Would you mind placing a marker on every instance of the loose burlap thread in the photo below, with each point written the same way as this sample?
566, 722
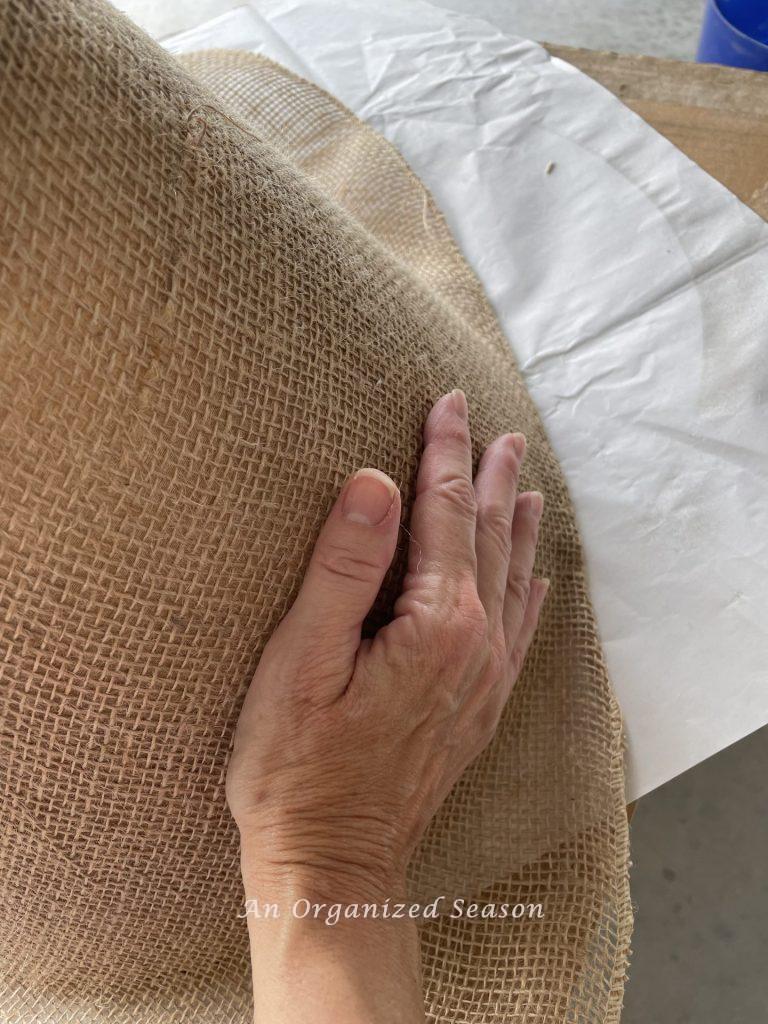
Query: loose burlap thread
221, 293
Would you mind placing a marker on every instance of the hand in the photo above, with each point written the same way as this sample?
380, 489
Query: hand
345, 748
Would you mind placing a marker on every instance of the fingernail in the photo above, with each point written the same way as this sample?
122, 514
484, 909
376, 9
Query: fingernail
544, 590
536, 502
518, 443
460, 403
368, 498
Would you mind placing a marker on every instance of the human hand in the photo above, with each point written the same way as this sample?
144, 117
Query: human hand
345, 748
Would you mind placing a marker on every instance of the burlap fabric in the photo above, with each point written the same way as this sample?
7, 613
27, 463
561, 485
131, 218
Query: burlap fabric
220, 294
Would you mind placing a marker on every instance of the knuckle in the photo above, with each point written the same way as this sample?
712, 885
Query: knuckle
516, 659
319, 676
458, 493
468, 621
340, 562
518, 588
452, 431
496, 522
496, 661
490, 673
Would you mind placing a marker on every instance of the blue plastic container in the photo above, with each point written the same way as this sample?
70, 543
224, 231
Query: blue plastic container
735, 32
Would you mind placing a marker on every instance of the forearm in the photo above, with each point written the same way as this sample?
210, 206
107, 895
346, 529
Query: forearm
320, 965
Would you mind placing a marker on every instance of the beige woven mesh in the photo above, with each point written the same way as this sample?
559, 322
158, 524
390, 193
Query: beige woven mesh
220, 293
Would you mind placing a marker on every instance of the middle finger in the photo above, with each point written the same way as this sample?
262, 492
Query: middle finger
443, 516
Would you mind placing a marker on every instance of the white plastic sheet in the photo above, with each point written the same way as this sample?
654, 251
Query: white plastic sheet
630, 285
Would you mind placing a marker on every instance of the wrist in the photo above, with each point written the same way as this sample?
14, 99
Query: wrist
325, 944
327, 876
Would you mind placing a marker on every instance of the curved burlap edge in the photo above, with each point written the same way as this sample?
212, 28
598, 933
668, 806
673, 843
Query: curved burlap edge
205, 64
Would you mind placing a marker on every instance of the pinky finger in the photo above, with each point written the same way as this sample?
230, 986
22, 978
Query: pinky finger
530, 621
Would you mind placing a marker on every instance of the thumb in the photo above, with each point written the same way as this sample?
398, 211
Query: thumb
351, 557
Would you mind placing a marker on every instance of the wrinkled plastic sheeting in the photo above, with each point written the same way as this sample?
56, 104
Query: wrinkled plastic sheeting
630, 285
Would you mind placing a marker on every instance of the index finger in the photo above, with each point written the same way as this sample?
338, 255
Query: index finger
443, 516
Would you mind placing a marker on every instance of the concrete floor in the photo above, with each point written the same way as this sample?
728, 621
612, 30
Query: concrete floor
700, 890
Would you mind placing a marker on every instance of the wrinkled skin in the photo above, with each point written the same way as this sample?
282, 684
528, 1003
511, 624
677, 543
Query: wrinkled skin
345, 748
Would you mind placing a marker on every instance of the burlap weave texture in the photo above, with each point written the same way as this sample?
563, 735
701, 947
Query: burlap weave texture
220, 293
